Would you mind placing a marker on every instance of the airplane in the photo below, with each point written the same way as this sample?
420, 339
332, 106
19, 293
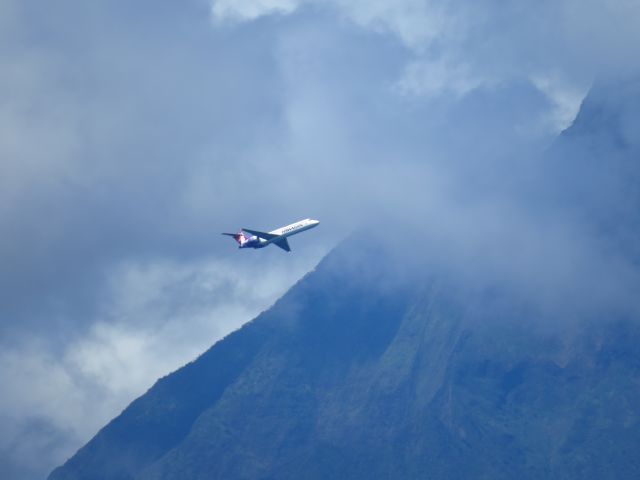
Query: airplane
258, 239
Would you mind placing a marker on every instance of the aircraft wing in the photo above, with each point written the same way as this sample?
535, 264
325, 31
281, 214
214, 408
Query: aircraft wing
283, 244
258, 233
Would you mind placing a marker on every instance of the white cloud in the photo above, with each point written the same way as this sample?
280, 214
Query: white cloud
418, 23
565, 97
460, 46
163, 314
155, 317
432, 78
232, 10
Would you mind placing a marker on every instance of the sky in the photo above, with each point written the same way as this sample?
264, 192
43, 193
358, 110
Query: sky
133, 133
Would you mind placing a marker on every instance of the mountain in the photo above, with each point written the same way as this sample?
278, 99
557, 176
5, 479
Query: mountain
593, 168
373, 366
353, 378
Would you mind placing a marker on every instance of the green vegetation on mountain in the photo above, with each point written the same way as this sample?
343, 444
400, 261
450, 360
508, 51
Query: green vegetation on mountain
372, 368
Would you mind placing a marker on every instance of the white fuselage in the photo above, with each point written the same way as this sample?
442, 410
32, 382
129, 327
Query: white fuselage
255, 241
294, 228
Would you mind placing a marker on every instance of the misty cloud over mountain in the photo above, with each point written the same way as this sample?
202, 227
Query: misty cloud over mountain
133, 134
360, 371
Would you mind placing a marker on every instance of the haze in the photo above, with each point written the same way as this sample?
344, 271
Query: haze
132, 135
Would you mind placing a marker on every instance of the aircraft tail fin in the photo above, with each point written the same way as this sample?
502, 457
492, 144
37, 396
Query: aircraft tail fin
238, 237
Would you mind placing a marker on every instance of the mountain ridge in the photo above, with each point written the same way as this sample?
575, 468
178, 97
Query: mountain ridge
374, 366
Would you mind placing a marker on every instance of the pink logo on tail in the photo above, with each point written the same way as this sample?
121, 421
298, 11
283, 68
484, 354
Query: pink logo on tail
240, 238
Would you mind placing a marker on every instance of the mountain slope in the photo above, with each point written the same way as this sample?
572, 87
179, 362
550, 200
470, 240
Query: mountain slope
375, 367
593, 167
349, 377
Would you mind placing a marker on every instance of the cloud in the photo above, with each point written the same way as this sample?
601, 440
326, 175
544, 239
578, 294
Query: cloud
557, 46
432, 78
564, 96
250, 10
155, 317
130, 141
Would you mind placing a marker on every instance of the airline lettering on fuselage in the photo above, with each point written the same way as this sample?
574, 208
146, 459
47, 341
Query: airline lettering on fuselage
287, 230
